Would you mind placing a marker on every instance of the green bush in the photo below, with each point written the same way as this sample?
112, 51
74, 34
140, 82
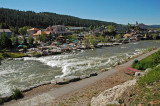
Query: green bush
150, 77
36, 54
1, 56
17, 94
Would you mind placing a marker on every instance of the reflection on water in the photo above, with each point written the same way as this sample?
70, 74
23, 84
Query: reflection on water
34, 70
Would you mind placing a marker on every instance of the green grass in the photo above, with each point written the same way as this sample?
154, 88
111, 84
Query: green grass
4, 55
15, 55
148, 62
150, 77
148, 88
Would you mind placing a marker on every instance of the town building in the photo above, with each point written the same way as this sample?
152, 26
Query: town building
79, 29
33, 31
40, 32
140, 26
58, 30
7, 31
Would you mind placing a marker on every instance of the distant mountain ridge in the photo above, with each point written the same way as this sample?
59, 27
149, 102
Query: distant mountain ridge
18, 18
153, 26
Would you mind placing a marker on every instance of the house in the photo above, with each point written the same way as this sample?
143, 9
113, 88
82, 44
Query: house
78, 29
33, 31
140, 26
134, 36
7, 31
40, 32
58, 30
100, 29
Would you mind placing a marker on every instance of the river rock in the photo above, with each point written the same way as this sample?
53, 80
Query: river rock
26, 89
72, 78
138, 74
53, 81
32, 87
108, 68
93, 74
147, 70
45, 82
61, 81
115, 64
84, 76
103, 70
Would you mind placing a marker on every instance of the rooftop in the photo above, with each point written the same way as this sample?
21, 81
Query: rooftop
5, 30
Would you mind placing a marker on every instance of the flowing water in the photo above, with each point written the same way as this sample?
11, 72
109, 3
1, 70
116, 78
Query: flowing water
31, 70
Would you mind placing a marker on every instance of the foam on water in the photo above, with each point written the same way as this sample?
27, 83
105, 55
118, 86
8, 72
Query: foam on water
70, 65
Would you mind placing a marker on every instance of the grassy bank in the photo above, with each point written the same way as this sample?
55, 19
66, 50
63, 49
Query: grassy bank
148, 62
4, 55
147, 90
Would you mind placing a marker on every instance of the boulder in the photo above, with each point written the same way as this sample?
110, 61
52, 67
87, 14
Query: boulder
27, 89
84, 76
45, 82
139, 74
61, 81
53, 81
72, 78
147, 70
110, 95
103, 70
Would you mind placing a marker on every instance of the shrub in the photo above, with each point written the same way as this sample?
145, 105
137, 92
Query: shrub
36, 54
1, 56
17, 94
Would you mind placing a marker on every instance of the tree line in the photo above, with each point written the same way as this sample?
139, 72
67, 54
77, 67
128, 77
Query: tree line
16, 18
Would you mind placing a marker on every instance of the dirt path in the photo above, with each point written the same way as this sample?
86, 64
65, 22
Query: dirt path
77, 93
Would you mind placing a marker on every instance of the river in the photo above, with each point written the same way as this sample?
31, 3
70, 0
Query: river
31, 70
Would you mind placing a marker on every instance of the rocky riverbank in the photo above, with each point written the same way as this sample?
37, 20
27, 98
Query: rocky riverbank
115, 79
65, 80
112, 96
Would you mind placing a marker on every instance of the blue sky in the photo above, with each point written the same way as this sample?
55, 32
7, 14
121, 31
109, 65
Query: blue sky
119, 11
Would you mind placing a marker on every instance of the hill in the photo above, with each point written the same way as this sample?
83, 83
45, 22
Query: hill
153, 26
16, 18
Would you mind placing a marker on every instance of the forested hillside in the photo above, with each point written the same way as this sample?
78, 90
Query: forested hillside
16, 18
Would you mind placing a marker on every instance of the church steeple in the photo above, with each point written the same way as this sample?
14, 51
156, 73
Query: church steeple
136, 23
